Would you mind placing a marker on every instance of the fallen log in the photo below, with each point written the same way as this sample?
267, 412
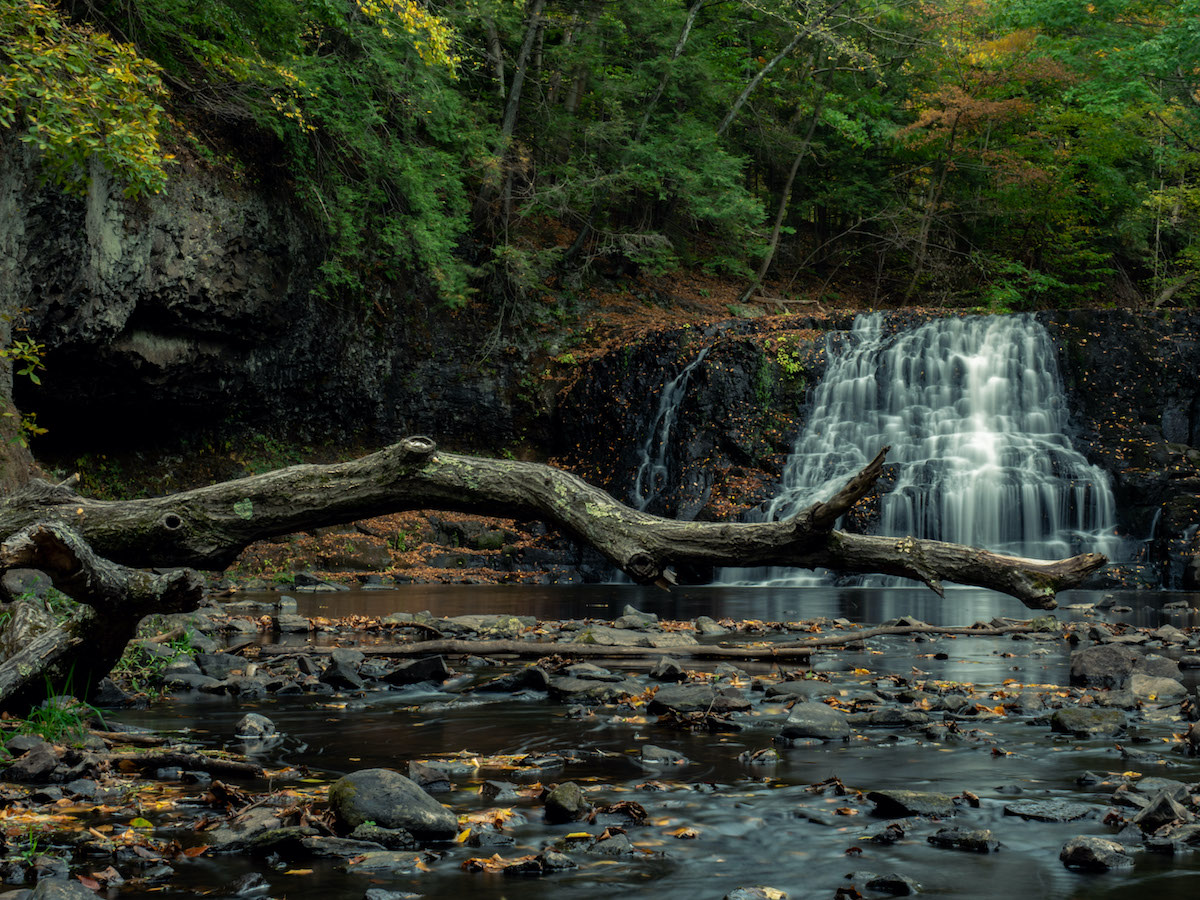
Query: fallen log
768, 651
207, 527
72, 657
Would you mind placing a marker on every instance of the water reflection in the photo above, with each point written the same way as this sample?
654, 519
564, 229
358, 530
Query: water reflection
962, 606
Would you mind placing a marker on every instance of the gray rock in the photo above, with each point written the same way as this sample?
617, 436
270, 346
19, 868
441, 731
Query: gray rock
27, 583
809, 690
554, 861
978, 840
1156, 689
758, 892
241, 832
707, 627
1050, 810
220, 665
286, 623
390, 800
430, 778
685, 698
388, 838
1161, 809
1094, 854
636, 619
660, 756
667, 669
1087, 722
530, 678
36, 766
899, 803
671, 639
254, 725
816, 720
894, 884
566, 803
1108, 665
430, 668
892, 717
383, 863
613, 637
592, 672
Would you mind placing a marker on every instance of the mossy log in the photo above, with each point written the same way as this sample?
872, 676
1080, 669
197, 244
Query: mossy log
207, 527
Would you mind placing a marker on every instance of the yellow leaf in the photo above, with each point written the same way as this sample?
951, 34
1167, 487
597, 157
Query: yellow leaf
139, 822
462, 836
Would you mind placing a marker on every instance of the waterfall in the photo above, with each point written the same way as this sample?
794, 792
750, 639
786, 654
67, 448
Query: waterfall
651, 475
974, 412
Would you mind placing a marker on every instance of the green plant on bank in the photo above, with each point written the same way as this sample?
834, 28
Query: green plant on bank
141, 670
61, 719
29, 847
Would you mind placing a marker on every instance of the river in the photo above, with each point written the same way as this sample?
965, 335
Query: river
756, 824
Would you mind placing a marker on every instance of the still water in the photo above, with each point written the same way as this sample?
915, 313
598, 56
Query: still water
756, 824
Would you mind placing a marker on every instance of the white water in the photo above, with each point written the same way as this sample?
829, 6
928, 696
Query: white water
974, 413
652, 472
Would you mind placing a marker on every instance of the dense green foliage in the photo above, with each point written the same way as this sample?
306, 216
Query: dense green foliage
1008, 154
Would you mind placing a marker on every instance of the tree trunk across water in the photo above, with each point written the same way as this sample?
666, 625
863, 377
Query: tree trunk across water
207, 527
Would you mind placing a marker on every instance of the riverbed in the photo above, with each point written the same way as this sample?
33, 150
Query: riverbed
753, 824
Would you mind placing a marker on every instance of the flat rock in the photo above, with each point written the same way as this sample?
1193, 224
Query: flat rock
611, 637
816, 720
1094, 854
1047, 810
979, 840
808, 690
671, 639
1156, 689
660, 756
384, 863
390, 800
758, 892
1087, 722
686, 698
897, 804
430, 668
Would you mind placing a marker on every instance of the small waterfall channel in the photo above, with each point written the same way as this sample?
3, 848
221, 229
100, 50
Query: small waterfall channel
974, 412
652, 470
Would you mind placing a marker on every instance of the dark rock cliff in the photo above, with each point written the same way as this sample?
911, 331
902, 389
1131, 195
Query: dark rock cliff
193, 310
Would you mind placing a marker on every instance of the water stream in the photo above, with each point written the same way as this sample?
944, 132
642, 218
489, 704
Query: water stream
652, 472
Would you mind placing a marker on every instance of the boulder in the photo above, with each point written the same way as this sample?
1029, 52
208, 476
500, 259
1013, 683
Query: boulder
1087, 721
1156, 689
1094, 854
816, 720
566, 803
1104, 666
390, 800
686, 698
897, 804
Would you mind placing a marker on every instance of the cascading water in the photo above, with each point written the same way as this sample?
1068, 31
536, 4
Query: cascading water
652, 472
974, 413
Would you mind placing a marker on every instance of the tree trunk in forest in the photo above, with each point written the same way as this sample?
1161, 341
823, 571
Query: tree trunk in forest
207, 527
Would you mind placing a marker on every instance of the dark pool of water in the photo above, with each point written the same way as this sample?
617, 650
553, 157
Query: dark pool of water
751, 820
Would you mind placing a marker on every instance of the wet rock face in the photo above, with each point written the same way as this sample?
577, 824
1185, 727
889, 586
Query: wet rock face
1133, 383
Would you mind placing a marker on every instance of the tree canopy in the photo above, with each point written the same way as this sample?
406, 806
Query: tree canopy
1007, 154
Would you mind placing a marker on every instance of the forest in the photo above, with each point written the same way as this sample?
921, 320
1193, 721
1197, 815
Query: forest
973, 153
